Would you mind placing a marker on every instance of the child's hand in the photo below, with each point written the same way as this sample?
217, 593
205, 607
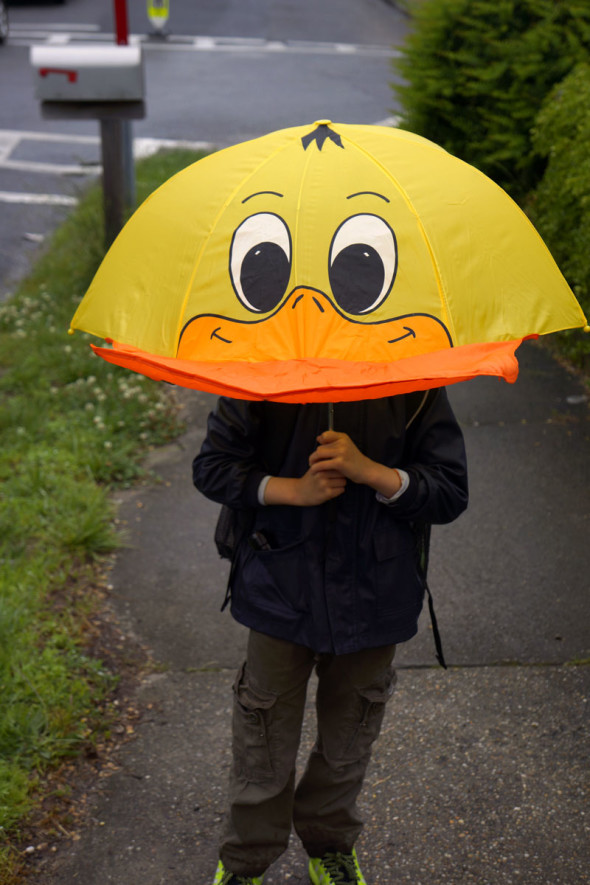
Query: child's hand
335, 460
319, 486
309, 490
337, 452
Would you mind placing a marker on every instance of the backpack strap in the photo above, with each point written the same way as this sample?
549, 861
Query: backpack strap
422, 534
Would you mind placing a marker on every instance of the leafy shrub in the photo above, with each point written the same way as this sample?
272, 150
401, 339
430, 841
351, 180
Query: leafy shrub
477, 71
560, 207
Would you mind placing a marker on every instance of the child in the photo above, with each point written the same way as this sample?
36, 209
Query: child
325, 576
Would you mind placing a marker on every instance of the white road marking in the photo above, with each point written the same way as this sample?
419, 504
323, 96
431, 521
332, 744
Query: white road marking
146, 147
142, 147
60, 26
29, 135
394, 121
49, 168
29, 34
37, 199
58, 40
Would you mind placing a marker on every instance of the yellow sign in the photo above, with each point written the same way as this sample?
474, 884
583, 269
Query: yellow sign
158, 12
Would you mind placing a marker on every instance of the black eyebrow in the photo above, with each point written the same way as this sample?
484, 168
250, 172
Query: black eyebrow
371, 193
259, 193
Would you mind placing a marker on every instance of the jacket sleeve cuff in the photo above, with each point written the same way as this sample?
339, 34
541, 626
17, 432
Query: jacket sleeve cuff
405, 482
406, 503
262, 490
252, 486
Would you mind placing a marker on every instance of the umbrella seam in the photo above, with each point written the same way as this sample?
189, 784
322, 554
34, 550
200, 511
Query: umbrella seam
294, 268
403, 192
225, 204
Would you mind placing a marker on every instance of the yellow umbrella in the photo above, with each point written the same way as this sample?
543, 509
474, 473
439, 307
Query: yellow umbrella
326, 262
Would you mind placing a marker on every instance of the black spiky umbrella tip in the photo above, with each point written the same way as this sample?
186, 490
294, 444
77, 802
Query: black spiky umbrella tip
320, 134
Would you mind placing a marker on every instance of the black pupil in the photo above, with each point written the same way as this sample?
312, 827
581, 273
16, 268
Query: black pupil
265, 276
357, 277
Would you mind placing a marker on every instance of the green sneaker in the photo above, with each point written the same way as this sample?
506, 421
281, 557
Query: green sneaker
224, 877
335, 868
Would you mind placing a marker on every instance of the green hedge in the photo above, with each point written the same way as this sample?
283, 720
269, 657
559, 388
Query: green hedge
560, 207
477, 71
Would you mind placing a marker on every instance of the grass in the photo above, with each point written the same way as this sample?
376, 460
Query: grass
72, 427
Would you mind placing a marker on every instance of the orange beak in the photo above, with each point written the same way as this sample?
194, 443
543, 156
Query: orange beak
309, 352
308, 326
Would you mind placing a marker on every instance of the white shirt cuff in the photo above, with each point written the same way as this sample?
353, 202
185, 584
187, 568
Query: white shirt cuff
405, 483
262, 490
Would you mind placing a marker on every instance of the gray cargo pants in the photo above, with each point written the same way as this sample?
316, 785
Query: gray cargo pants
269, 701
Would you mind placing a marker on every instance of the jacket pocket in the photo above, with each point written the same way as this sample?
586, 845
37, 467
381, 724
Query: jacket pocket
277, 579
388, 543
397, 581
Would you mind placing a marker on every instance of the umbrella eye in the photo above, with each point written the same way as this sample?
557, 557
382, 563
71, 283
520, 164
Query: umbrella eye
363, 263
260, 261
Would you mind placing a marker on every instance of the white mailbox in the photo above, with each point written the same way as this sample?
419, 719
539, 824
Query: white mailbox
88, 73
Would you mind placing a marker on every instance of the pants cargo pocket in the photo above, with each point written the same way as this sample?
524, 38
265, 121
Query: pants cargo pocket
252, 716
364, 731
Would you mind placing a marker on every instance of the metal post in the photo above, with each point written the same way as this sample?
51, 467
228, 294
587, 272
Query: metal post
113, 176
128, 167
117, 151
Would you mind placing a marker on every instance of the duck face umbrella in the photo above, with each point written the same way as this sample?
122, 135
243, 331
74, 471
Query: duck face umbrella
325, 263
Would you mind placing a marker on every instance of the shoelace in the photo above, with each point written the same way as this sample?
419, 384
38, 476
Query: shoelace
340, 867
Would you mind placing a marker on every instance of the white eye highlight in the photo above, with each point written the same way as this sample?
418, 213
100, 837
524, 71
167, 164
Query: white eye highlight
260, 261
363, 263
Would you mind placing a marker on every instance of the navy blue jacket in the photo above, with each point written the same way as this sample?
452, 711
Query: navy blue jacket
341, 576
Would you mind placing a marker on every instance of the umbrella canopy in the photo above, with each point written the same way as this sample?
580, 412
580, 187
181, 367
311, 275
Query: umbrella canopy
326, 262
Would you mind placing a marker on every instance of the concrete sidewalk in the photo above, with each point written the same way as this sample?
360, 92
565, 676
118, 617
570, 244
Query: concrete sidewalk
481, 773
